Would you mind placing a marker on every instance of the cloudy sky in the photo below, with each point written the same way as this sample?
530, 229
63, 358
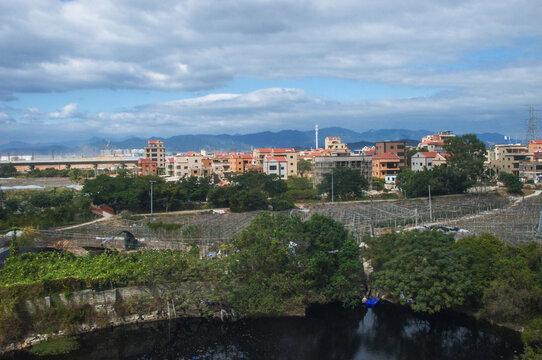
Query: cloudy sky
117, 68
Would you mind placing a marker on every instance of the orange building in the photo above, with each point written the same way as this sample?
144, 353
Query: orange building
240, 163
385, 164
146, 167
534, 145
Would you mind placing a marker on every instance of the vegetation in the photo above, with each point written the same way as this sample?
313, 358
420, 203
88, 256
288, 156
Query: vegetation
467, 154
43, 209
304, 166
133, 193
431, 272
283, 264
56, 346
348, 184
278, 265
7, 170
512, 183
443, 181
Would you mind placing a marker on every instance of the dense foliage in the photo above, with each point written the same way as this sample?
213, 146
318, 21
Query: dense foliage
252, 191
429, 271
420, 268
282, 263
133, 193
348, 184
512, 183
443, 181
467, 154
7, 170
43, 209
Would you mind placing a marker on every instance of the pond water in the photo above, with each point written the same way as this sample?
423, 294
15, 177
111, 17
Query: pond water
328, 332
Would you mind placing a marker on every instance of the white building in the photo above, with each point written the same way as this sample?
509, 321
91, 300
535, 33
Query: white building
422, 160
276, 165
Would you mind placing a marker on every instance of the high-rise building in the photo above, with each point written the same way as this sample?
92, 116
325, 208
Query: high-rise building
156, 151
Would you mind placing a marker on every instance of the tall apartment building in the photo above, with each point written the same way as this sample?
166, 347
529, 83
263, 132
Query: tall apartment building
507, 158
394, 147
156, 151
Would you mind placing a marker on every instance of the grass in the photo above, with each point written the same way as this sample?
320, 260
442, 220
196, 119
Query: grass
56, 346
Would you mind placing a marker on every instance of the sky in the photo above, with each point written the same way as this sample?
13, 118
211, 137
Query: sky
72, 70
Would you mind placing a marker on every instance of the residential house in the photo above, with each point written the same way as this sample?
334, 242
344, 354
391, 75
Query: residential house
385, 165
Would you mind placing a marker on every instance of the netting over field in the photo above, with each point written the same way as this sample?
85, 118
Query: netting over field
515, 225
209, 229
360, 217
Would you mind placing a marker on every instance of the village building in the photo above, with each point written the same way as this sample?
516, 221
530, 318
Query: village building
422, 160
386, 165
393, 147
325, 164
146, 167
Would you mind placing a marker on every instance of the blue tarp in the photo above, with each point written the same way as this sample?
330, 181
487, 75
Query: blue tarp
372, 302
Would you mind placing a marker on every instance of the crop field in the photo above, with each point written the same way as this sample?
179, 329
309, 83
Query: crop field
515, 225
209, 230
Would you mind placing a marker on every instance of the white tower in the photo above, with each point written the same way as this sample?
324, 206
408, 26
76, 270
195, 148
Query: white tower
316, 130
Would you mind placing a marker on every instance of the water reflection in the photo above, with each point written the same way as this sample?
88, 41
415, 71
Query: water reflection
385, 332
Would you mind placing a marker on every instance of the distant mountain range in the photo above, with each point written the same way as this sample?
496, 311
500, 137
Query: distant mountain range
224, 142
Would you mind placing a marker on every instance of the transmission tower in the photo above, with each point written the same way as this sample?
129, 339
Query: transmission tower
532, 133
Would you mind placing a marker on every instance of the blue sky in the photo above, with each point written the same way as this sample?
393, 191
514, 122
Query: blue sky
83, 68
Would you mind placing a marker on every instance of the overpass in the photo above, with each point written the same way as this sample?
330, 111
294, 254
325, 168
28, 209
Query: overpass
78, 163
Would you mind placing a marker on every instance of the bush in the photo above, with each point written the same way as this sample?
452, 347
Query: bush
282, 203
512, 182
244, 200
307, 194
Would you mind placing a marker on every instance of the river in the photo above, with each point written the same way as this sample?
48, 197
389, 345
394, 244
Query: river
329, 332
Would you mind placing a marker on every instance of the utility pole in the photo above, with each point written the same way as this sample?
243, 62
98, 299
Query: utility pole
430, 209
532, 126
151, 182
332, 193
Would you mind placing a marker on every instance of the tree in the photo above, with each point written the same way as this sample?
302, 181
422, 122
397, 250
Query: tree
422, 270
219, 196
467, 154
303, 166
7, 170
244, 200
443, 181
512, 182
348, 184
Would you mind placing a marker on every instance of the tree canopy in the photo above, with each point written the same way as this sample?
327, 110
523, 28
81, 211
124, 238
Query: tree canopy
348, 184
467, 154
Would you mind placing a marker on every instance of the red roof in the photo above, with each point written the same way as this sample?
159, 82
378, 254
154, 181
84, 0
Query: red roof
536, 142
270, 150
428, 154
333, 138
143, 160
446, 156
370, 151
154, 141
275, 158
171, 160
386, 156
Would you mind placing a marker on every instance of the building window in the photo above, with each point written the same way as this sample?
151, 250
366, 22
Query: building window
273, 167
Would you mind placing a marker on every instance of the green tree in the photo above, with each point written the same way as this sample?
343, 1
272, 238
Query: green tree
7, 170
304, 166
467, 154
219, 196
423, 270
512, 182
348, 184
244, 200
